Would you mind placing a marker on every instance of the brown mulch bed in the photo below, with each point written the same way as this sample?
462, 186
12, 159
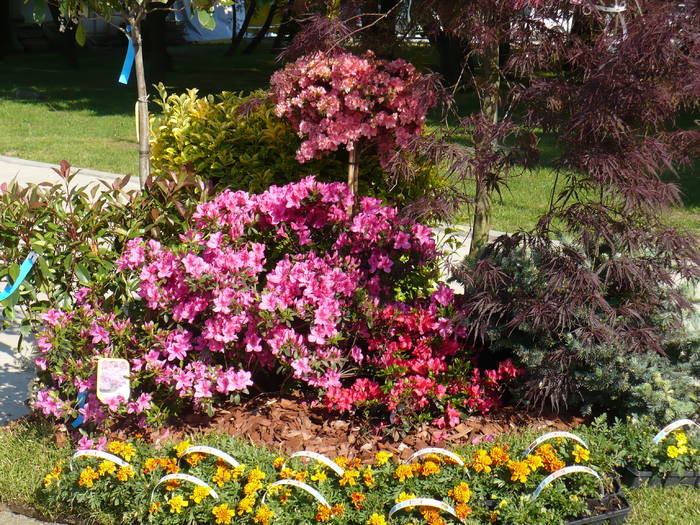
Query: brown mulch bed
288, 424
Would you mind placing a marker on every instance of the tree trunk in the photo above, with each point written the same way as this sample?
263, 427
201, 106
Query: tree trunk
237, 37
263, 30
353, 176
489, 86
142, 104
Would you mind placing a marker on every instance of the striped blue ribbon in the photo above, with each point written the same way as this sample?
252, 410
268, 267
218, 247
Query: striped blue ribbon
24, 270
128, 59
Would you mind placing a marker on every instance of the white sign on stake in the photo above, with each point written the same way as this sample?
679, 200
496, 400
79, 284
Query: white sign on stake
436, 451
113, 379
320, 458
299, 484
185, 477
563, 472
212, 451
99, 454
423, 502
673, 426
552, 435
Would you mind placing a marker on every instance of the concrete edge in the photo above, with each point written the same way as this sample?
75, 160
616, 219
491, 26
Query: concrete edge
45, 165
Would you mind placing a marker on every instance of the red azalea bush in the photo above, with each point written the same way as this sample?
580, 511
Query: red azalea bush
267, 287
337, 99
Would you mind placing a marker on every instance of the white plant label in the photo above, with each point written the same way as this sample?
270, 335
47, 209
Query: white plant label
299, 484
185, 477
563, 472
212, 451
113, 379
320, 458
673, 426
102, 455
437, 452
552, 435
423, 502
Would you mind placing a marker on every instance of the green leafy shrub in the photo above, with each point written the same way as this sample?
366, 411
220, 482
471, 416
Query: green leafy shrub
238, 142
79, 232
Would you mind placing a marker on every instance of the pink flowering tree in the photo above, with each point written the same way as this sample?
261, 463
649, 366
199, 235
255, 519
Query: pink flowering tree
266, 288
337, 99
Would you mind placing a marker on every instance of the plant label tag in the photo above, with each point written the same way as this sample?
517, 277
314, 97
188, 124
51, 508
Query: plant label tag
673, 426
113, 379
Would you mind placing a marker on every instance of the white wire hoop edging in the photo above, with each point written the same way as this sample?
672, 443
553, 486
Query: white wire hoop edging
300, 485
563, 472
436, 451
184, 477
318, 457
673, 426
98, 454
551, 435
423, 502
202, 449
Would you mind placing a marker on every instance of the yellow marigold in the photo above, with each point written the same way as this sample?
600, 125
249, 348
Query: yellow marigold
544, 450
107, 467
256, 475
383, 457
341, 461
323, 513
499, 456
429, 467
681, 438
672, 451
581, 454
432, 516
403, 496
463, 511
237, 472
223, 474
263, 515
493, 516
246, 505
278, 462
287, 473
301, 476
682, 450
349, 477
181, 447
357, 499
115, 447
519, 470
88, 476
338, 510
355, 464
151, 465
199, 493
223, 514
154, 508
48, 479
125, 473
481, 461
461, 493
169, 465
368, 477
55, 474
194, 458
319, 476
376, 519
403, 472
252, 487
127, 452
284, 495
177, 503
534, 462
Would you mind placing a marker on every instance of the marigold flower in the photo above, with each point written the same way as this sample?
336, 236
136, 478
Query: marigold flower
323, 513
499, 455
199, 493
357, 499
581, 454
301, 476
125, 473
368, 477
252, 487
278, 462
463, 511
115, 447
376, 519
127, 451
403, 472
432, 516
263, 515
177, 503
223, 474
172, 484
681, 438
319, 476
246, 505
87, 477
169, 465
481, 461
672, 451
383, 457
150, 465
461, 493
256, 475
341, 461
154, 508
429, 467
519, 470
534, 462
349, 477
404, 496
181, 447
223, 514
338, 510
107, 467
194, 458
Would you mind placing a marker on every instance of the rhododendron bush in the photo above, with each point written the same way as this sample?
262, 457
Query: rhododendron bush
338, 99
265, 288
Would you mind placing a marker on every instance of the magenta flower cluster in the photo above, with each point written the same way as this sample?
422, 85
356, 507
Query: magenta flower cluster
339, 99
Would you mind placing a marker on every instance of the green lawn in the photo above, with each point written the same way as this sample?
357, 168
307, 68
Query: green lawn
86, 117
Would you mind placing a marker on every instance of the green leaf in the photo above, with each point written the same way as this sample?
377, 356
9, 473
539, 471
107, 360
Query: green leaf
80, 36
206, 20
39, 12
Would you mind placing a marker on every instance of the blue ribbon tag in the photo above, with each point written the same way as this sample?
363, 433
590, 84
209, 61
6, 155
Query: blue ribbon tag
128, 60
82, 398
23, 272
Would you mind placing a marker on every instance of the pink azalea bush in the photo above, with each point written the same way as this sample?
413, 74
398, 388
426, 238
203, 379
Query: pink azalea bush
338, 99
283, 284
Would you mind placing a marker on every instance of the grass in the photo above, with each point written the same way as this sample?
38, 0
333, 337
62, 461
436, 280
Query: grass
87, 118
28, 451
